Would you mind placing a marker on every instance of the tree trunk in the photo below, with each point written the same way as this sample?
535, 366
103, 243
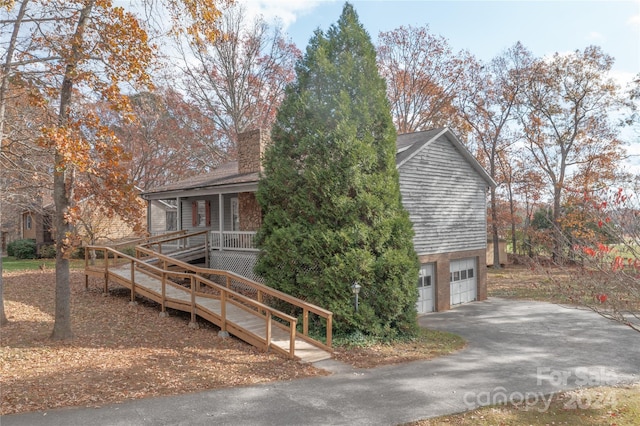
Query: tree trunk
557, 230
494, 230
4, 87
63, 184
61, 196
3, 317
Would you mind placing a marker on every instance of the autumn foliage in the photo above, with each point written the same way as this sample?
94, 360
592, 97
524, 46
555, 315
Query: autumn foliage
605, 246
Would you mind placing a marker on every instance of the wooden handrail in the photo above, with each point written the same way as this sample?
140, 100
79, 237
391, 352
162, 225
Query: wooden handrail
182, 236
227, 295
328, 315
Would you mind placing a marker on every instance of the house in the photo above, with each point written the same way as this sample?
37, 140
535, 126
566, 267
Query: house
31, 222
443, 188
35, 222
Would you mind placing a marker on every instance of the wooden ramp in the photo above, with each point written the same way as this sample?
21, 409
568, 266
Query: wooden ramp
236, 304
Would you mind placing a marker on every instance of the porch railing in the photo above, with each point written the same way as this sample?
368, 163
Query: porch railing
233, 240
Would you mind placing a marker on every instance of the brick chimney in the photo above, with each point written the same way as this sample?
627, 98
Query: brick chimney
251, 146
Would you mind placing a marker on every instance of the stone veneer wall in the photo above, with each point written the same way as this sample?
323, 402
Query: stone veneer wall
250, 212
251, 146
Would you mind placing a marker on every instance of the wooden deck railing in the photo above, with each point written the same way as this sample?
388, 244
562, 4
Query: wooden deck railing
199, 287
260, 291
176, 240
233, 240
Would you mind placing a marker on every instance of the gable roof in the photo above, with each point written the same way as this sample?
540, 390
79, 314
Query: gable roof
226, 175
410, 144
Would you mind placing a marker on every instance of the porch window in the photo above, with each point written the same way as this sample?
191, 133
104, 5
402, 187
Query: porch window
171, 221
235, 215
201, 213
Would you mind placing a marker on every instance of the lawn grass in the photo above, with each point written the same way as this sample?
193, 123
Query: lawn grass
587, 407
11, 264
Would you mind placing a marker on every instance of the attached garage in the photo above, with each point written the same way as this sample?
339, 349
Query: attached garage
463, 280
426, 288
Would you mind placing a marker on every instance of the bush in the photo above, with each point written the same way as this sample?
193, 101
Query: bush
22, 249
48, 251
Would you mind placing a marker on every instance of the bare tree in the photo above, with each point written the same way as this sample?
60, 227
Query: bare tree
240, 80
567, 126
489, 107
423, 78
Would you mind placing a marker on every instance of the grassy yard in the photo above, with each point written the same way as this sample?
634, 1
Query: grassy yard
10, 264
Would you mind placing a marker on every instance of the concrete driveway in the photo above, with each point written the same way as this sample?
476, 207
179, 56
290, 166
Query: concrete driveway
515, 348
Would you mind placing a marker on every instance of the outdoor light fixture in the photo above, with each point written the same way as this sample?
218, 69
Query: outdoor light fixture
355, 288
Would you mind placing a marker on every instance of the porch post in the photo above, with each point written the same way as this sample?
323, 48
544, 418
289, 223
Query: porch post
149, 230
178, 217
220, 219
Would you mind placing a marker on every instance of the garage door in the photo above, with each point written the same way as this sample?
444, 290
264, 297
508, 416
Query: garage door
463, 281
425, 289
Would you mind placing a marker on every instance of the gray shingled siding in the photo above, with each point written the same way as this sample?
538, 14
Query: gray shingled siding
445, 198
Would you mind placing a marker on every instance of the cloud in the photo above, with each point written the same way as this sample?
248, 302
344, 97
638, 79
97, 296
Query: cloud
284, 11
634, 21
595, 36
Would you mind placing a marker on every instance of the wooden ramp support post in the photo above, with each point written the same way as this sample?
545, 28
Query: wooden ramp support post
193, 323
106, 272
133, 282
163, 302
223, 314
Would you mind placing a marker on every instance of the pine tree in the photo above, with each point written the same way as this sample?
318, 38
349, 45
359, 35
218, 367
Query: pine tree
330, 190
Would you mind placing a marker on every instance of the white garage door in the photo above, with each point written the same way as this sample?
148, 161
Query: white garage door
463, 281
425, 289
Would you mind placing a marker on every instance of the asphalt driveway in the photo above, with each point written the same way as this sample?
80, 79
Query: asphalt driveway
515, 349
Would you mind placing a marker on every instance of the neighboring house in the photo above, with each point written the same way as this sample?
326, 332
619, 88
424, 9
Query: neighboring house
443, 188
19, 223
35, 223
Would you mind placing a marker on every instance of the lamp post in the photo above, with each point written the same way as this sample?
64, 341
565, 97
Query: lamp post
355, 288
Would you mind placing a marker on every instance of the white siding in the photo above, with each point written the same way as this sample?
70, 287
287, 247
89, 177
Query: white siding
157, 217
215, 213
446, 200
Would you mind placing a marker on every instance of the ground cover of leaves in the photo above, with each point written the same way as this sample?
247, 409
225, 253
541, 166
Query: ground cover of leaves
119, 351
122, 351
527, 282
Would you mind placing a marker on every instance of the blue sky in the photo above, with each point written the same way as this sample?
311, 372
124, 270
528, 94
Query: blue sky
485, 28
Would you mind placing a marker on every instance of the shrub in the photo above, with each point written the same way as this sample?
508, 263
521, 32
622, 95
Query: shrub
48, 251
22, 249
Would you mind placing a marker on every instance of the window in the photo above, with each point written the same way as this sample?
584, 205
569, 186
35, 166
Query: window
28, 221
424, 281
470, 273
463, 275
201, 213
235, 215
171, 221
456, 276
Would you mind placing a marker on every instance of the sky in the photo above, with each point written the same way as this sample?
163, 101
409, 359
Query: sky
487, 28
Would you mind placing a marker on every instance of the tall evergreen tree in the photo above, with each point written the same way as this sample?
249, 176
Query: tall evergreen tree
331, 194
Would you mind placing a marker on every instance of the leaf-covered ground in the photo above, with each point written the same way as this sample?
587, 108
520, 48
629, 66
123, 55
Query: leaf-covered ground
119, 351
